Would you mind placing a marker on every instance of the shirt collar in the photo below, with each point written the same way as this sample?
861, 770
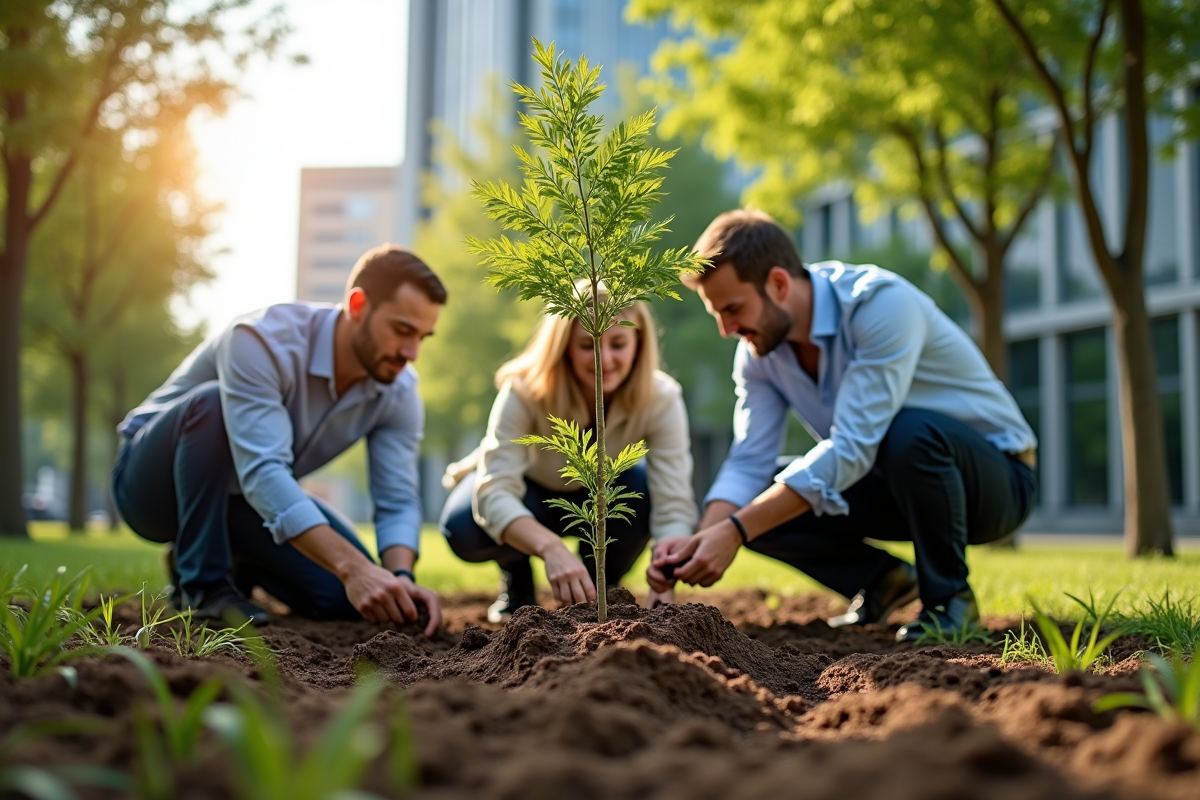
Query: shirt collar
826, 314
320, 360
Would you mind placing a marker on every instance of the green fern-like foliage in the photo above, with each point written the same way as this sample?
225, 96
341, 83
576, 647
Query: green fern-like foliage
583, 244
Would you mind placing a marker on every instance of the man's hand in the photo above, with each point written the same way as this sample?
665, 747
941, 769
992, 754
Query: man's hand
567, 575
655, 599
380, 596
663, 553
707, 555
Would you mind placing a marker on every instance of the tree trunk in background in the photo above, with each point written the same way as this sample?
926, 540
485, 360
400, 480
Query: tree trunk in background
1147, 495
116, 414
12, 284
77, 517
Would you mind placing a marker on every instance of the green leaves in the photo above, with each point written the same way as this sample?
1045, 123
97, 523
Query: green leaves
582, 457
1172, 690
1076, 655
35, 639
583, 211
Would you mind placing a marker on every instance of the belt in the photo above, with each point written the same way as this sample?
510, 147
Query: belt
1027, 457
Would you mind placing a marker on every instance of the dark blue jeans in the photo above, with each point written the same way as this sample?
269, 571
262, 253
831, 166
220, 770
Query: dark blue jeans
172, 482
472, 543
936, 482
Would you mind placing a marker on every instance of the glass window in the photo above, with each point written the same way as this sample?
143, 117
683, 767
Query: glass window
333, 263
1024, 379
568, 24
1022, 267
1162, 231
328, 209
1078, 275
1087, 418
1165, 335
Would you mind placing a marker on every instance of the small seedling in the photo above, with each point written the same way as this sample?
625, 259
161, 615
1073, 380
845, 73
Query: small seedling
1023, 647
35, 639
583, 215
154, 615
202, 640
103, 631
1172, 690
1073, 655
959, 637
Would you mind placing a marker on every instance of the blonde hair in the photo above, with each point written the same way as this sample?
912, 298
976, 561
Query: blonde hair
542, 367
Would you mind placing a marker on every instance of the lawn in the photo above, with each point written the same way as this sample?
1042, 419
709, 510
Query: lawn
1002, 579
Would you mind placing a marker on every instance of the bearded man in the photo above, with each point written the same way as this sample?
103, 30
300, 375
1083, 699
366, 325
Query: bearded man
210, 460
917, 439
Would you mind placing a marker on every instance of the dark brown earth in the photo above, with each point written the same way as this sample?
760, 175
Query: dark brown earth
725, 701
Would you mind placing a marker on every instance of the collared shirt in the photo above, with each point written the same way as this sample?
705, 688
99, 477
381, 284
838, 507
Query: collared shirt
883, 346
285, 419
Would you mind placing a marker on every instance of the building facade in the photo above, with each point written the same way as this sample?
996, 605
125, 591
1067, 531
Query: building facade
1058, 324
343, 212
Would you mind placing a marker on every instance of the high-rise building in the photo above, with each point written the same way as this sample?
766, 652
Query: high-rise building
460, 52
344, 211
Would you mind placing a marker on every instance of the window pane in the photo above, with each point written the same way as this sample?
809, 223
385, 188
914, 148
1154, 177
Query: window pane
1087, 416
1077, 273
1022, 267
1162, 234
1165, 335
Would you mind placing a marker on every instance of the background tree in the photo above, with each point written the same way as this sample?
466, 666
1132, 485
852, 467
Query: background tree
911, 101
1092, 58
70, 72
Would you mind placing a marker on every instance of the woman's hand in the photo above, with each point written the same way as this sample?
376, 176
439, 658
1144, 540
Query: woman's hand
567, 575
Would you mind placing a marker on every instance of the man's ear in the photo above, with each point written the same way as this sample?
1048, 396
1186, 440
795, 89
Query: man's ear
778, 285
356, 303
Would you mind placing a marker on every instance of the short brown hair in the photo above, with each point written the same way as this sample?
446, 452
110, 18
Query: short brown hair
752, 242
382, 270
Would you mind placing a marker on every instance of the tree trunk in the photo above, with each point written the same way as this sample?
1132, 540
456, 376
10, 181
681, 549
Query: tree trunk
115, 416
77, 518
19, 178
1147, 499
600, 550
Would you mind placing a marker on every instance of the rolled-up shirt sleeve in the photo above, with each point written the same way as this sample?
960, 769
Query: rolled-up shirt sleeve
888, 332
393, 448
758, 434
260, 435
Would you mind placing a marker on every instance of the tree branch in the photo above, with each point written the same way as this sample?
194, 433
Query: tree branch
947, 187
1089, 66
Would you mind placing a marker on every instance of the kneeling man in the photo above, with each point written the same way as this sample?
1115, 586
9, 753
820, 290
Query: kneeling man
210, 460
918, 439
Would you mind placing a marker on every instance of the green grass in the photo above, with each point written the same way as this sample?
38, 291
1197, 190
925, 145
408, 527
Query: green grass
1002, 579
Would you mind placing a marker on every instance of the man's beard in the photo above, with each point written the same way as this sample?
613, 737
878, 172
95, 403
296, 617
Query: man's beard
773, 326
368, 355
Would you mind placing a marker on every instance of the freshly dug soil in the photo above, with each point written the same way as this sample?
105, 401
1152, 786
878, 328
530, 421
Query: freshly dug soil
725, 701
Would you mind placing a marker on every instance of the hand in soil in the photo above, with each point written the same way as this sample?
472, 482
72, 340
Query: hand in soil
663, 563
568, 576
655, 599
380, 596
708, 554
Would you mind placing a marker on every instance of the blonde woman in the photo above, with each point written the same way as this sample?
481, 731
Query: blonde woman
498, 512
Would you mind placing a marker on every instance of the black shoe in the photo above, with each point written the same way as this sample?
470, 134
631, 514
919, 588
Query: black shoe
952, 620
516, 591
222, 601
873, 606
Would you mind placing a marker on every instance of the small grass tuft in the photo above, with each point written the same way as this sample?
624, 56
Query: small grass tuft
959, 637
1075, 656
35, 638
1023, 647
201, 641
1172, 623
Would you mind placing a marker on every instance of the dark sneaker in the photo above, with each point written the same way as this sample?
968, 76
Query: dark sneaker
896, 589
222, 601
953, 619
516, 590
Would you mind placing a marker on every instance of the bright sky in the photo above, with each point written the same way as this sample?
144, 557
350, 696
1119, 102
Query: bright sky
343, 109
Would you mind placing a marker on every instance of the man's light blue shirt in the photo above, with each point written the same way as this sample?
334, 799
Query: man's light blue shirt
284, 419
883, 346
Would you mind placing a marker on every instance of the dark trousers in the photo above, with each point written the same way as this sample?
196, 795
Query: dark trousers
936, 482
471, 543
171, 483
